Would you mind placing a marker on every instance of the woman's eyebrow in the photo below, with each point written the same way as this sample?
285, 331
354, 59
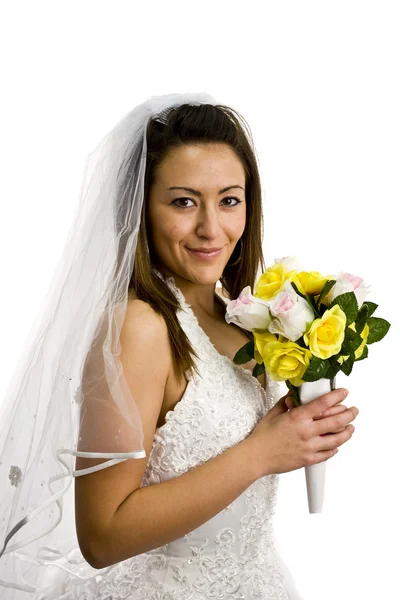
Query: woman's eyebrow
197, 193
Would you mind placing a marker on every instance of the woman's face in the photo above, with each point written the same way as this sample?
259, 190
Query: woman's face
212, 218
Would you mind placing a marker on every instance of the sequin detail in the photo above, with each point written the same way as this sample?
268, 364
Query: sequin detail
15, 475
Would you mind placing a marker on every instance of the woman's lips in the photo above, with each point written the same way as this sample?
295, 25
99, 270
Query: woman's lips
205, 255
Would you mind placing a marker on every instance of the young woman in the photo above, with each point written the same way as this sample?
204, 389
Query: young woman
191, 517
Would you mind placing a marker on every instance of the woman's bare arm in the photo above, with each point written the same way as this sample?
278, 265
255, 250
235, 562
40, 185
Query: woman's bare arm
116, 518
160, 513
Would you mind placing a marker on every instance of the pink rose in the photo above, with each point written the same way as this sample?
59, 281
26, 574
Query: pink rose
248, 312
346, 282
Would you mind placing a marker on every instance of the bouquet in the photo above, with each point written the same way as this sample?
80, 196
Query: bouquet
306, 328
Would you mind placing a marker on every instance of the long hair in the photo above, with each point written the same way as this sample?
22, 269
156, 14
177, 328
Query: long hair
181, 126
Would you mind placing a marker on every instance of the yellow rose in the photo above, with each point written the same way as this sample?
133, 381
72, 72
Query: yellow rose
261, 338
312, 281
286, 360
360, 349
294, 276
326, 335
272, 281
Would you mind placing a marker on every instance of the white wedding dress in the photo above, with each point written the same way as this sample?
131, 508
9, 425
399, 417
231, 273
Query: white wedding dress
233, 555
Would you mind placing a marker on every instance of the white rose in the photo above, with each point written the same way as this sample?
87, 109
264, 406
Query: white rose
248, 312
293, 314
346, 282
291, 263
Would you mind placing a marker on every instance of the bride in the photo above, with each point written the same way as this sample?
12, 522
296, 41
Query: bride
192, 516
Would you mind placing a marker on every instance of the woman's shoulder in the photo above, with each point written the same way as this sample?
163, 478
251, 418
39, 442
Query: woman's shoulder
141, 312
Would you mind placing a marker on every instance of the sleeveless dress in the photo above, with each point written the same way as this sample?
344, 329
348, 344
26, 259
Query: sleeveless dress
233, 555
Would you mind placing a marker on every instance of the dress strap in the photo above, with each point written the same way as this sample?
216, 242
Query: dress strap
170, 281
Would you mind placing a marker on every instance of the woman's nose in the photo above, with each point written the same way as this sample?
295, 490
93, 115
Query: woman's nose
209, 223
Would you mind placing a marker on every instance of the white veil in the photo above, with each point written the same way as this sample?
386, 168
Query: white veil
68, 396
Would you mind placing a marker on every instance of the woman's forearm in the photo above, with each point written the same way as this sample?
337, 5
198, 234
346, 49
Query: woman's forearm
157, 514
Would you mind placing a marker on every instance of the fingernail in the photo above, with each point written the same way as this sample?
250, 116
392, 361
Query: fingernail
345, 392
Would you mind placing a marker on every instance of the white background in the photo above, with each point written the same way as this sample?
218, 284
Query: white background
318, 83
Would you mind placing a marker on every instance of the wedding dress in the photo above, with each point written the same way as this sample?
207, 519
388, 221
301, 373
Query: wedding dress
233, 555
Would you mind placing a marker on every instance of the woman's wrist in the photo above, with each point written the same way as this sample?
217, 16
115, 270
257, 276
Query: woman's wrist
253, 467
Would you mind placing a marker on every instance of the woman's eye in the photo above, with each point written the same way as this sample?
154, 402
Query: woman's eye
233, 198
179, 199
228, 198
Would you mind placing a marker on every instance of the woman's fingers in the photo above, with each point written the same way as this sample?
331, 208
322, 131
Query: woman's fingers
289, 401
333, 410
336, 423
319, 405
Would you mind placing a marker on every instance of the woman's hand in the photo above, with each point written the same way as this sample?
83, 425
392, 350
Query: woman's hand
288, 437
333, 410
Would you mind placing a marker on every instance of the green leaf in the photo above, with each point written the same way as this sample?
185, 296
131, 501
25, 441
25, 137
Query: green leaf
352, 341
244, 354
361, 318
347, 365
348, 304
371, 307
316, 369
333, 370
378, 328
259, 369
328, 285
313, 303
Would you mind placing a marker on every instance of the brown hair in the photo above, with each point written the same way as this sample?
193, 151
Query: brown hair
198, 124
